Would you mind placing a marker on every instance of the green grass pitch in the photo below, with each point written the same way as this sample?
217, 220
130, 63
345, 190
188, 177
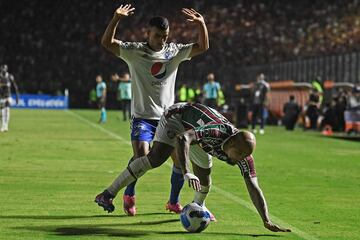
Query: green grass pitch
53, 163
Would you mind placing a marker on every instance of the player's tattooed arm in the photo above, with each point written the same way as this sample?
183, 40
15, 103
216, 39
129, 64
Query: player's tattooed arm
183, 142
259, 202
203, 40
108, 39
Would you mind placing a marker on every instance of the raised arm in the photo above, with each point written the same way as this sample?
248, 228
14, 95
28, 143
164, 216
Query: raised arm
259, 202
202, 44
183, 142
108, 39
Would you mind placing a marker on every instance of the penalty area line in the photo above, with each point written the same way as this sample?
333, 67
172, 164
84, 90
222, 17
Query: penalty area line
228, 195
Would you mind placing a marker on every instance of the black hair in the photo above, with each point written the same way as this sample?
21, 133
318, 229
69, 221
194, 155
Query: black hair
292, 97
159, 22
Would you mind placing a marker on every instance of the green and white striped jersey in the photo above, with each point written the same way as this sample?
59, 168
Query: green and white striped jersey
211, 129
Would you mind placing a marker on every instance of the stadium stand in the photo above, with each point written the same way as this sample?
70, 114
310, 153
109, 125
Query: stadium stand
57, 44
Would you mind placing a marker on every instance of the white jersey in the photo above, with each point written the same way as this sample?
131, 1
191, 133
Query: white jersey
153, 76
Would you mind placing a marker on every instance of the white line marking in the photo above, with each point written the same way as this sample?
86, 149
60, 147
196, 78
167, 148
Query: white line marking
99, 127
228, 195
272, 217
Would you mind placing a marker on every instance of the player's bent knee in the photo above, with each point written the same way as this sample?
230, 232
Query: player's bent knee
156, 160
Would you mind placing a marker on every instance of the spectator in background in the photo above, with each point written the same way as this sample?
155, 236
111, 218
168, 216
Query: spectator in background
186, 93
199, 97
317, 85
329, 118
211, 91
312, 110
354, 98
101, 97
291, 112
259, 92
124, 93
340, 107
92, 98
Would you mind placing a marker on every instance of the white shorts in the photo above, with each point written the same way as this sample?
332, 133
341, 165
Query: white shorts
166, 132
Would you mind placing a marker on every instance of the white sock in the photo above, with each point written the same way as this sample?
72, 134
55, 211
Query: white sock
199, 197
7, 117
135, 170
2, 118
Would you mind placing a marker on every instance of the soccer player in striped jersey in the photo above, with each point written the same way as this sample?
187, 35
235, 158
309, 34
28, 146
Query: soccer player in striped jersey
153, 66
198, 132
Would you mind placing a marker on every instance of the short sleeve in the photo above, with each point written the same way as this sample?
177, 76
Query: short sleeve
184, 51
128, 49
218, 86
247, 167
207, 132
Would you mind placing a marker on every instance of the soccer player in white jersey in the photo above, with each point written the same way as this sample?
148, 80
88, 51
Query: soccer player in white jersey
153, 67
6, 80
196, 131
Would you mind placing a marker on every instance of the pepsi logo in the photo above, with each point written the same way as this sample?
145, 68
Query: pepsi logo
158, 70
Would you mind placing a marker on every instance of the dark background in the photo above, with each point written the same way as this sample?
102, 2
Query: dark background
51, 46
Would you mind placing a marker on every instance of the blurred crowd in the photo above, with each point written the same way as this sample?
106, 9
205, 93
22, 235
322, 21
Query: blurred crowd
339, 113
53, 45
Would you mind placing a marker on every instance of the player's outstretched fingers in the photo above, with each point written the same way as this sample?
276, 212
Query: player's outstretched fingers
126, 10
198, 186
187, 12
195, 185
193, 180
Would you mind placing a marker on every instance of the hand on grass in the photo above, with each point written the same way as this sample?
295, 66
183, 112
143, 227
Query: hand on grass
275, 228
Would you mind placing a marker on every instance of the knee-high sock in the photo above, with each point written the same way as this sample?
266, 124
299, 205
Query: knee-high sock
130, 189
2, 117
136, 169
7, 116
103, 114
199, 197
177, 182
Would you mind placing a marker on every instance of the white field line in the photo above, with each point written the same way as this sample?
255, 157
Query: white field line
228, 195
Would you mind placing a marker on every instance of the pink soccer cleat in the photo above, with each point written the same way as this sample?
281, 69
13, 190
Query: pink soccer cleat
212, 217
176, 208
129, 205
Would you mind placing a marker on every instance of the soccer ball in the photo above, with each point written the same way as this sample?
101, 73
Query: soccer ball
194, 218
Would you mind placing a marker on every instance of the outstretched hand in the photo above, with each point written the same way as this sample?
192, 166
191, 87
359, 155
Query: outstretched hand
192, 15
124, 11
275, 228
193, 180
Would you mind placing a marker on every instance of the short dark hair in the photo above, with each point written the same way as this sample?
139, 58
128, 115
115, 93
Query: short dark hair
159, 22
292, 97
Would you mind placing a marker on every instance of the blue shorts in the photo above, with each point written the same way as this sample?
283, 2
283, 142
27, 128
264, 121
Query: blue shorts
143, 129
